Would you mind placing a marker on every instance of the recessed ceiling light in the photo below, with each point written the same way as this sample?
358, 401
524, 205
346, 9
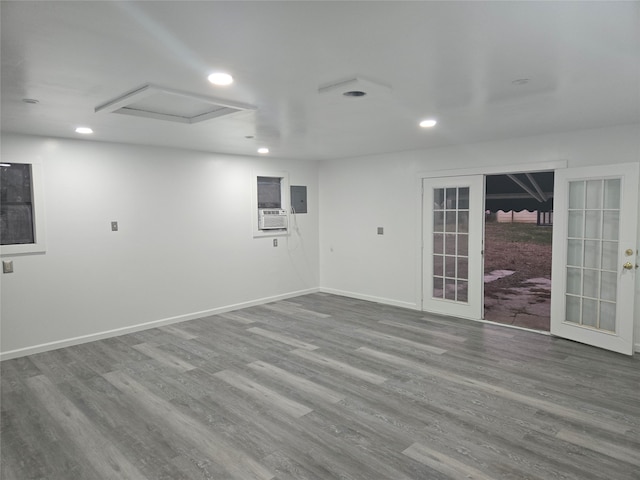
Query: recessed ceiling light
220, 79
263, 150
428, 123
84, 130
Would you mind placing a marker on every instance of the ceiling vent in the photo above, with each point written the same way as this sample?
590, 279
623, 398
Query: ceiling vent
161, 103
355, 87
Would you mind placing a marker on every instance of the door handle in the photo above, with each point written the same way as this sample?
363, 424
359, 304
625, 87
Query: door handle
628, 266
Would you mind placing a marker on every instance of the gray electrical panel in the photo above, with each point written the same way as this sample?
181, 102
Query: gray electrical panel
299, 199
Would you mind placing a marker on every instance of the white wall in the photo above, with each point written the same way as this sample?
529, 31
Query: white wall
359, 194
184, 246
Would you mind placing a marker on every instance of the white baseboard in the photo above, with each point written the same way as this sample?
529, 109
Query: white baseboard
371, 298
68, 342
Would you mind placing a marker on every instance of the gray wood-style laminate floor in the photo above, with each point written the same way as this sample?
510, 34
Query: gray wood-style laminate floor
322, 387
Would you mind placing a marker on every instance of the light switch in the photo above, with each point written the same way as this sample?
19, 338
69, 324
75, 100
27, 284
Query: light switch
114, 226
7, 266
275, 242
380, 230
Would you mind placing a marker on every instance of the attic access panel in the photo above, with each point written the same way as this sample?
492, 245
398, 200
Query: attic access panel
161, 103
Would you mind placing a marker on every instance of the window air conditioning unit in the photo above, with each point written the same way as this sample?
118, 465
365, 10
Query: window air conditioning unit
272, 219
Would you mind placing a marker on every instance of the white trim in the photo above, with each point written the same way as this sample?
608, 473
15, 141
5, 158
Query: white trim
21, 352
420, 242
636, 348
371, 298
37, 200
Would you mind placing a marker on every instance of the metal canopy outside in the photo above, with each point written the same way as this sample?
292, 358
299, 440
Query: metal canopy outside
520, 191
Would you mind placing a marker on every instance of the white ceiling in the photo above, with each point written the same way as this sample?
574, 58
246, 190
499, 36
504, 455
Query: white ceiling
454, 61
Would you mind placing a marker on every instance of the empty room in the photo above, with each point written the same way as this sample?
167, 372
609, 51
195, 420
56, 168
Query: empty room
246, 240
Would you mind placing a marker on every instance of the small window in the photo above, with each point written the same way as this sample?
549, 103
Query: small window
269, 192
21, 212
16, 204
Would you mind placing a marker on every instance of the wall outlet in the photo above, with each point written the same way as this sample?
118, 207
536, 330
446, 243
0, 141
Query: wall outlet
114, 226
7, 266
275, 242
380, 231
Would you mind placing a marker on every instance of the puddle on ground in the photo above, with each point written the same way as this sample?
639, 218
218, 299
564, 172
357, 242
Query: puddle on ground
497, 274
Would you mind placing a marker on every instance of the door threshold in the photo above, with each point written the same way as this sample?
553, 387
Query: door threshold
515, 327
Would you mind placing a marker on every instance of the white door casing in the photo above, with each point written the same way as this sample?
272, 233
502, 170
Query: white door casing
452, 233
594, 236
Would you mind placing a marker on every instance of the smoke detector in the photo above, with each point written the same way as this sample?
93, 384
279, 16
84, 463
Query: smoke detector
152, 101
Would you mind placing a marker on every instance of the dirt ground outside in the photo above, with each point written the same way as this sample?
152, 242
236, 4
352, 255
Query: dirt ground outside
523, 297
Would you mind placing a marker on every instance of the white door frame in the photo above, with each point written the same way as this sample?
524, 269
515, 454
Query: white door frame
489, 170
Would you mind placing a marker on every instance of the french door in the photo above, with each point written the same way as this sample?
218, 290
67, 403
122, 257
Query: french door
453, 214
595, 255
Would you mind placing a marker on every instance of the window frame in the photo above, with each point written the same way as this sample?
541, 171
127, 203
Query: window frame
37, 193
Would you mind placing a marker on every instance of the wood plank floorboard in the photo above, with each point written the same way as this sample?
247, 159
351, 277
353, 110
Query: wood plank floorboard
322, 387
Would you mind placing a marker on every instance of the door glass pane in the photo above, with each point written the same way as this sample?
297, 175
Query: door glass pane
450, 243
611, 225
612, 193
608, 287
438, 221
593, 224
573, 309
450, 266
449, 288
463, 222
574, 281
438, 290
452, 221
438, 198
463, 245
609, 255
463, 198
574, 253
463, 291
438, 243
590, 283
576, 225
594, 193
589, 312
438, 265
451, 198
592, 253
607, 316
576, 195
463, 268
